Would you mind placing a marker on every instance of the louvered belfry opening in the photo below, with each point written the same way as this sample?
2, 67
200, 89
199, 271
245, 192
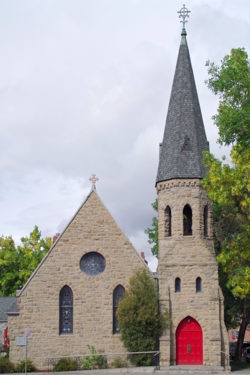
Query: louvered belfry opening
168, 221
117, 296
66, 311
187, 221
205, 221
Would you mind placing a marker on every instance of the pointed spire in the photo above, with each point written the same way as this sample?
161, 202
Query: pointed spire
184, 137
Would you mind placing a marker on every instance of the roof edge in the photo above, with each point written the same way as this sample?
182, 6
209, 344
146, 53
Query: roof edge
179, 178
52, 247
73, 217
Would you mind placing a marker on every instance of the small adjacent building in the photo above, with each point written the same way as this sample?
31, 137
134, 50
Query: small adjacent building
7, 306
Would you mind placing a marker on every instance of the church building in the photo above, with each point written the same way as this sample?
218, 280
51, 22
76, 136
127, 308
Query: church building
70, 300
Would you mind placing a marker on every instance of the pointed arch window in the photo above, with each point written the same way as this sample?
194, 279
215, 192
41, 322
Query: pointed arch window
168, 221
118, 295
187, 221
66, 310
177, 285
205, 220
198, 285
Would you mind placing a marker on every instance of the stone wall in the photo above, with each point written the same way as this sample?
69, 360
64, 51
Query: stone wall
189, 257
92, 229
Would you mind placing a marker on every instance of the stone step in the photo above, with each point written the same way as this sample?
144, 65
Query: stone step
190, 369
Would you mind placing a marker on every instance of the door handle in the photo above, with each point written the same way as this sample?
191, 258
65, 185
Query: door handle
188, 348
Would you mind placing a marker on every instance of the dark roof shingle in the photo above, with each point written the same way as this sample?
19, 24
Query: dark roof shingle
7, 304
184, 137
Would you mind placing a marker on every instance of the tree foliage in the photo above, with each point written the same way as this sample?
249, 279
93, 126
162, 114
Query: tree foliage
18, 262
231, 81
153, 232
229, 185
138, 318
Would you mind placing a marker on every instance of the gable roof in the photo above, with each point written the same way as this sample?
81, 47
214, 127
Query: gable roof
93, 191
184, 137
7, 304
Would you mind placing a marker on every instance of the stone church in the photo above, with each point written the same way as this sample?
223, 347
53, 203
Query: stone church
71, 299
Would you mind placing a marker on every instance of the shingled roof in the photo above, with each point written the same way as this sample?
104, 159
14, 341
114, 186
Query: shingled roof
7, 304
184, 137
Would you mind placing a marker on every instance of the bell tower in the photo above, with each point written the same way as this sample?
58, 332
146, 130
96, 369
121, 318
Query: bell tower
187, 268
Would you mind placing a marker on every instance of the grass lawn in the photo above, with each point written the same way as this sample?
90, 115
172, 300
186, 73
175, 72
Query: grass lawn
240, 364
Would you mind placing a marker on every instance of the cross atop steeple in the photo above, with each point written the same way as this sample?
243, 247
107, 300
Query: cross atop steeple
184, 14
93, 179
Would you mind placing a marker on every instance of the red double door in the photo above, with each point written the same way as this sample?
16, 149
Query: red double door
189, 343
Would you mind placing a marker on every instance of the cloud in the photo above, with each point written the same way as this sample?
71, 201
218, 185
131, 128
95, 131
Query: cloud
84, 89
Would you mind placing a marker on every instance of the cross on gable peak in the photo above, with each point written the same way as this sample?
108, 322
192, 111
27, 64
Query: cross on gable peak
93, 179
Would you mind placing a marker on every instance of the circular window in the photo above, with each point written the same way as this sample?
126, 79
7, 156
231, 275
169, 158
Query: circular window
93, 264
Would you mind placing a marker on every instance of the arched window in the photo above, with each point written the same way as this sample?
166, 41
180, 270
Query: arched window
205, 220
177, 285
117, 296
168, 221
66, 310
198, 285
187, 220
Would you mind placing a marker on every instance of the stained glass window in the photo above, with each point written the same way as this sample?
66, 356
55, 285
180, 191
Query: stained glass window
93, 264
117, 296
66, 310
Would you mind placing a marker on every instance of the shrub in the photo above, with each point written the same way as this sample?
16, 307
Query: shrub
119, 363
65, 364
93, 361
138, 318
20, 367
6, 366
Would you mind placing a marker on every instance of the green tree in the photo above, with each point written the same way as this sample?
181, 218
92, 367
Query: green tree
231, 81
139, 320
18, 262
153, 232
229, 185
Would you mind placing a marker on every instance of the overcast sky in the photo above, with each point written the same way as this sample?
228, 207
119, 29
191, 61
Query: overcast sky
84, 89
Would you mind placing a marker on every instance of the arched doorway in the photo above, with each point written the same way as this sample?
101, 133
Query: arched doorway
189, 342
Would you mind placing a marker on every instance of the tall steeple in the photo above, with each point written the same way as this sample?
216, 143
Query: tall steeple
184, 137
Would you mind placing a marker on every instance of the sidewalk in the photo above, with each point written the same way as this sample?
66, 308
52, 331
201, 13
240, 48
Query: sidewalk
144, 370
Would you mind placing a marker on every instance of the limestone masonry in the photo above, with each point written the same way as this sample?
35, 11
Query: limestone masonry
92, 229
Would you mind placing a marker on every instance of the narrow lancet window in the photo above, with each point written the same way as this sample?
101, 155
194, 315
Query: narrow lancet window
206, 221
66, 311
198, 285
187, 220
117, 296
168, 221
177, 285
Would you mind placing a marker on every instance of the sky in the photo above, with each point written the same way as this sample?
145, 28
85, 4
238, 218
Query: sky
84, 89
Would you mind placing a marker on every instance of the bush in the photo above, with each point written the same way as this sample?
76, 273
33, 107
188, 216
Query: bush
94, 361
65, 364
6, 366
138, 318
20, 367
119, 363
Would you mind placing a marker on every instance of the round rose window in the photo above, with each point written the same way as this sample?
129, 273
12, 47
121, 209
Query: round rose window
93, 264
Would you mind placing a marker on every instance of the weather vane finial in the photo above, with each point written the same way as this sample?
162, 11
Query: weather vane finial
93, 179
184, 14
